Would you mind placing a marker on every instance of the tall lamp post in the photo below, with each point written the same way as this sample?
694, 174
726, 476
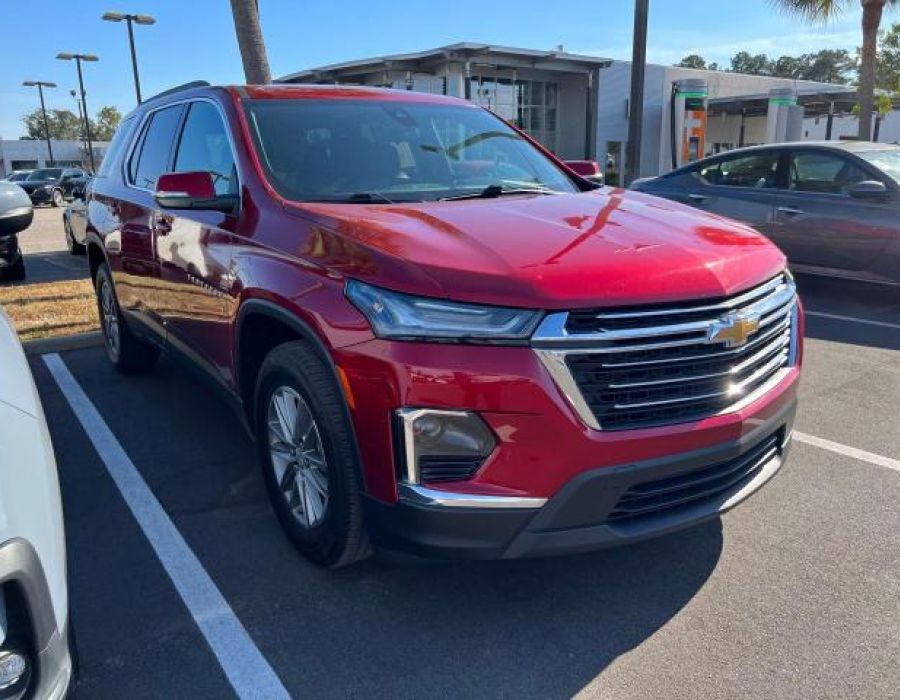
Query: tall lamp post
78, 58
40, 84
77, 99
636, 101
130, 20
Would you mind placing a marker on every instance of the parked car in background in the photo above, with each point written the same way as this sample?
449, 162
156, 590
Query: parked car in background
16, 176
445, 341
75, 220
16, 214
832, 207
36, 660
588, 169
53, 185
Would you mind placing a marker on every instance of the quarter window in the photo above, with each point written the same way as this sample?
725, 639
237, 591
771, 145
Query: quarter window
153, 157
757, 171
205, 147
824, 173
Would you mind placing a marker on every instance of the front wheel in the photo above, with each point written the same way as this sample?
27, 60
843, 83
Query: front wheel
308, 456
57, 199
73, 246
128, 353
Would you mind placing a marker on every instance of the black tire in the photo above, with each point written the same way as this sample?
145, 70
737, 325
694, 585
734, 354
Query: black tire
16, 271
128, 353
339, 538
73, 247
57, 198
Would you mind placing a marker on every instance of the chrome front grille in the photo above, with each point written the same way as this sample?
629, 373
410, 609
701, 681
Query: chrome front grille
650, 366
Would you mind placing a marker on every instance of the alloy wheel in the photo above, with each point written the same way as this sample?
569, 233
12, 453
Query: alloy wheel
297, 456
110, 319
57, 198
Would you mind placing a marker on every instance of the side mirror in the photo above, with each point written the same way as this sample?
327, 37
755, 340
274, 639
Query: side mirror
195, 191
588, 169
868, 189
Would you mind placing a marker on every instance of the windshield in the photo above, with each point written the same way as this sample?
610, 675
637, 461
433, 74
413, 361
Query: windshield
888, 161
45, 174
366, 150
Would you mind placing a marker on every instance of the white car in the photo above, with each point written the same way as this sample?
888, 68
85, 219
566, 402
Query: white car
35, 655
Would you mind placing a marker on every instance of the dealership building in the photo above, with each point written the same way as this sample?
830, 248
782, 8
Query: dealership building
30, 154
578, 105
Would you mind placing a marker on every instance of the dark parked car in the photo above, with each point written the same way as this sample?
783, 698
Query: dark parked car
446, 342
75, 220
832, 207
17, 176
15, 215
53, 185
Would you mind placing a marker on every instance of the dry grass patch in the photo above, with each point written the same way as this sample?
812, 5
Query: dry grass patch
51, 308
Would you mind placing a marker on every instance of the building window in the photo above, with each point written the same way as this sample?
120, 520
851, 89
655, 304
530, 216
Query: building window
24, 164
532, 105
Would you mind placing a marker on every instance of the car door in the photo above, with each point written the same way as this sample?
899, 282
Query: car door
823, 226
137, 281
741, 186
194, 249
78, 212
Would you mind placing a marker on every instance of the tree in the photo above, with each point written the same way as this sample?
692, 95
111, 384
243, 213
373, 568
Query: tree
829, 66
251, 42
824, 10
789, 67
887, 67
744, 62
692, 61
62, 124
104, 126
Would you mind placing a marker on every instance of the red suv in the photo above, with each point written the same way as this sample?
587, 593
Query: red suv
445, 342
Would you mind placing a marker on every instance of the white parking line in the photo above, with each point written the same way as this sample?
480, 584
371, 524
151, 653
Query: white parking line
854, 319
246, 668
847, 451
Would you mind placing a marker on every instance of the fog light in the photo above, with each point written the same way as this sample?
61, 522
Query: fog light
13, 669
442, 445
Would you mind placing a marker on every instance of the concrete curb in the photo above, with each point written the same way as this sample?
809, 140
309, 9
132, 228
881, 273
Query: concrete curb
62, 343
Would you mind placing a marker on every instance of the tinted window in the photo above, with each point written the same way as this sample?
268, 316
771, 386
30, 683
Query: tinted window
45, 174
116, 146
205, 146
758, 170
330, 150
828, 173
156, 148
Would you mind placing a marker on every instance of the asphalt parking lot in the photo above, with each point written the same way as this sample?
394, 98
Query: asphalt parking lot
44, 246
793, 595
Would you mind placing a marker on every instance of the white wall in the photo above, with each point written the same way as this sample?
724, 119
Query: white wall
31, 150
814, 128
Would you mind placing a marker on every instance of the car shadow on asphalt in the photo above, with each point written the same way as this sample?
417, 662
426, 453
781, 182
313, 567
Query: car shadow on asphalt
57, 266
525, 628
855, 300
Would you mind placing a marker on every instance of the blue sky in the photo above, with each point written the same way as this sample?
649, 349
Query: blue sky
194, 39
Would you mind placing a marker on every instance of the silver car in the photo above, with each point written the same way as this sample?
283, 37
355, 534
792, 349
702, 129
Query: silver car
832, 207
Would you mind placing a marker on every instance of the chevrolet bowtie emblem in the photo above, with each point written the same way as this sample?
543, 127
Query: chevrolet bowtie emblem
733, 330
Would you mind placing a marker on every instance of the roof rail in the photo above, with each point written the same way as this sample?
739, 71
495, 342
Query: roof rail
179, 88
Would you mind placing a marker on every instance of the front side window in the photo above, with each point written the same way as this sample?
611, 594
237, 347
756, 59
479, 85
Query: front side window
205, 147
120, 138
350, 150
758, 171
156, 148
887, 161
824, 173
45, 174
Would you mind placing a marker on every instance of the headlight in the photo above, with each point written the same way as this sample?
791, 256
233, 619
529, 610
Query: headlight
405, 317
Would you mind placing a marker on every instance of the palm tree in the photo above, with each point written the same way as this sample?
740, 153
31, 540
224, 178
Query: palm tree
251, 42
824, 10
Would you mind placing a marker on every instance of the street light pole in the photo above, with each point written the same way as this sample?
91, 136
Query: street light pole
636, 101
78, 58
130, 20
40, 84
75, 97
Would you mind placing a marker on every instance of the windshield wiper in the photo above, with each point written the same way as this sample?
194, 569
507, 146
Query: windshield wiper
366, 197
498, 190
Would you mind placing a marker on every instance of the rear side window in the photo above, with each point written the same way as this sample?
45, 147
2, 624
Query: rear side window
758, 171
116, 146
825, 173
153, 157
205, 147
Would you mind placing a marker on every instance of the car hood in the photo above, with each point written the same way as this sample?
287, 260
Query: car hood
29, 185
609, 247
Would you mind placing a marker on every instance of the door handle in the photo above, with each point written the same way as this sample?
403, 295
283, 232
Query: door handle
697, 197
790, 211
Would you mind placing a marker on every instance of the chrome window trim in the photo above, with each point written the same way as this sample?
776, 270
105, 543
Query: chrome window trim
139, 133
422, 495
552, 343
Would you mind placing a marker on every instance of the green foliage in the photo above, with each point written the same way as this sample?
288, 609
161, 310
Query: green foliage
826, 66
65, 125
692, 61
887, 64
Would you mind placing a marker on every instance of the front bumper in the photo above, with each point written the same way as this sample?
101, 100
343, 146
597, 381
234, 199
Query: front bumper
41, 196
587, 512
9, 250
53, 667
